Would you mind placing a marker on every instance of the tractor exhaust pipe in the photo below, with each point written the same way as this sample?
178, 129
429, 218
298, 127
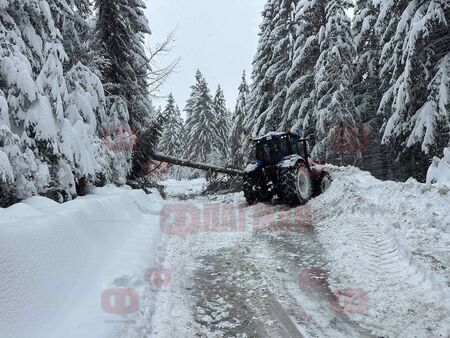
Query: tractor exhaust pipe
196, 165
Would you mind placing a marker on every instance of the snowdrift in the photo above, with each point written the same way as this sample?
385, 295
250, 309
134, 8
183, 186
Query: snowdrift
439, 171
392, 241
57, 260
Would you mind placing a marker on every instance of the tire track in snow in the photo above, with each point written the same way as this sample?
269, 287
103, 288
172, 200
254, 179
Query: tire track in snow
405, 298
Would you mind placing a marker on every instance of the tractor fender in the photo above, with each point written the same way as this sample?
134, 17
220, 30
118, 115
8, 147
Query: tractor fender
290, 161
253, 167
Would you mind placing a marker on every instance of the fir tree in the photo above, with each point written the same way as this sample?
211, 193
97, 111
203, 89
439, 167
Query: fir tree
415, 82
121, 28
221, 126
335, 114
237, 135
200, 122
300, 102
171, 142
261, 92
279, 64
367, 94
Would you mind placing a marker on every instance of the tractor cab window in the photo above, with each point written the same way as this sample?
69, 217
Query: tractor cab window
285, 148
268, 152
296, 148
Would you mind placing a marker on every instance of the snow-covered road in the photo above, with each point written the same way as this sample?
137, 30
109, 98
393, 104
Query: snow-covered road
368, 258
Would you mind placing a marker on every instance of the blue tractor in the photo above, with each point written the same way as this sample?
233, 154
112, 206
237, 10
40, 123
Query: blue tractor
283, 168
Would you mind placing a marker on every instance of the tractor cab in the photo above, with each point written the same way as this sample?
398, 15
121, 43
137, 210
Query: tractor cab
272, 148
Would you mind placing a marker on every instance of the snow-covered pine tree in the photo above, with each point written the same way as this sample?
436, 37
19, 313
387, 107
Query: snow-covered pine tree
121, 29
415, 81
56, 115
78, 30
336, 113
171, 142
279, 64
261, 93
300, 101
221, 126
367, 94
200, 133
237, 135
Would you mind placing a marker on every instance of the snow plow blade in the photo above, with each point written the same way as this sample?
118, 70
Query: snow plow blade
196, 165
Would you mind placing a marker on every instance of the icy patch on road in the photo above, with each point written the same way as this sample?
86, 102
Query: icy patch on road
392, 241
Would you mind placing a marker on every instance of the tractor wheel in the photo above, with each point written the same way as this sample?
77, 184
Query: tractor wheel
323, 184
296, 184
256, 188
249, 188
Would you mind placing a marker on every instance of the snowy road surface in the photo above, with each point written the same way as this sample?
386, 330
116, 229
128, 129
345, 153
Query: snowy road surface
367, 259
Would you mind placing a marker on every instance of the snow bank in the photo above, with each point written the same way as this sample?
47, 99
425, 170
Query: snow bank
439, 171
392, 241
57, 260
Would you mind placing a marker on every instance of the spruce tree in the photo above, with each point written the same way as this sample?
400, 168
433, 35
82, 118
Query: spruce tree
58, 115
279, 64
171, 142
121, 29
221, 126
300, 101
200, 122
237, 135
335, 111
414, 75
366, 85
261, 92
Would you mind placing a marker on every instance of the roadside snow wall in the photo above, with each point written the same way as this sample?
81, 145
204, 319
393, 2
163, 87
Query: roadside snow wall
392, 241
56, 260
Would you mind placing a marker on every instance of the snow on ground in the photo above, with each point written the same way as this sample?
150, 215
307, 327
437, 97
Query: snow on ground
58, 260
392, 241
184, 188
368, 258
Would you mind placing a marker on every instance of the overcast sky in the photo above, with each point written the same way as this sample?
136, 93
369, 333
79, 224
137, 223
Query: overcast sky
217, 36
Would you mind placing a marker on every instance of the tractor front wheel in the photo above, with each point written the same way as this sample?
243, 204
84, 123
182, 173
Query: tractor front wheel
256, 188
323, 184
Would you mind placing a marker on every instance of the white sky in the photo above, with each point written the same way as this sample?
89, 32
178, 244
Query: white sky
217, 36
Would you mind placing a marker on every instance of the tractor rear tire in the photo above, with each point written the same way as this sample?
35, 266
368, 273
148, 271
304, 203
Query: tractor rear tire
323, 184
296, 184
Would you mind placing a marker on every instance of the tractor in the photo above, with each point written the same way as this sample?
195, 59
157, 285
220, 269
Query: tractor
284, 169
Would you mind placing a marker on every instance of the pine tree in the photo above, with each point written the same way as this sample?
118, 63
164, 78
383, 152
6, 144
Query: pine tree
171, 142
237, 135
367, 94
77, 30
121, 28
279, 64
261, 92
415, 82
335, 114
300, 102
200, 133
58, 115
221, 126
